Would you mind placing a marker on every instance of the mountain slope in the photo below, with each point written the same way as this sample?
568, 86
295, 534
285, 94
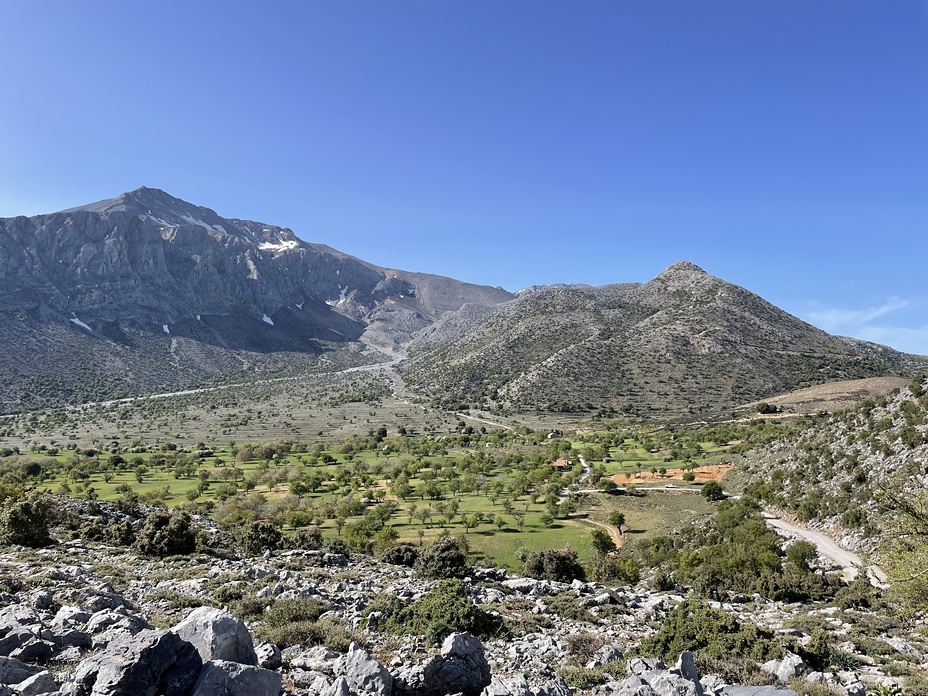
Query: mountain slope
683, 343
831, 474
110, 289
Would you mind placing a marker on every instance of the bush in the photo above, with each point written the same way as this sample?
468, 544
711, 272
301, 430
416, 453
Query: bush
258, 537
306, 539
583, 645
337, 546
286, 611
559, 565
249, 607
567, 606
697, 627
119, 533
401, 555
802, 554
712, 490
614, 569
330, 632
25, 521
167, 534
442, 559
446, 607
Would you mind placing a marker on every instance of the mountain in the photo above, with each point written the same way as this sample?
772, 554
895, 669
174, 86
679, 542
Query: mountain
146, 291
683, 343
149, 293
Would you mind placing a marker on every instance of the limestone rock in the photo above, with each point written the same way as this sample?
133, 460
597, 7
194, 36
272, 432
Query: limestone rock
224, 678
365, 674
217, 635
791, 665
13, 671
461, 667
41, 683
150, 662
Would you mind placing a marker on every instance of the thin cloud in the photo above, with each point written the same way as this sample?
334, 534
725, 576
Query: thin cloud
835, 319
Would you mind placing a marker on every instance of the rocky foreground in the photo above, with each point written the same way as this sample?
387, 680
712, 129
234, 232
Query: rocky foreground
86, 619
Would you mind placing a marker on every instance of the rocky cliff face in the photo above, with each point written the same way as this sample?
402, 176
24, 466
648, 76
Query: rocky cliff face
147, 267
149, 259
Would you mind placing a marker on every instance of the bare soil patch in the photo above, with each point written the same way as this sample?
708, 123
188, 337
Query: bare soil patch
709, 472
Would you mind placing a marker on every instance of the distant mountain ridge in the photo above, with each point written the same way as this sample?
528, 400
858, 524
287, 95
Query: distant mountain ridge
147, 292
684, 343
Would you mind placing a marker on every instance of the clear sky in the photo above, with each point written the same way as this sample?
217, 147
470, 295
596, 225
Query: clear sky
780, 144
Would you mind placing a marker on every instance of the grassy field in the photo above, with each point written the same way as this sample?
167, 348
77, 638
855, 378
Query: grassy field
435, 471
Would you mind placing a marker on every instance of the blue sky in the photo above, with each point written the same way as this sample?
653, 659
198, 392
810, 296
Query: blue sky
781, 145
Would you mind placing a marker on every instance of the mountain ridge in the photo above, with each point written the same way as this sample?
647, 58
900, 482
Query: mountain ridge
146, 284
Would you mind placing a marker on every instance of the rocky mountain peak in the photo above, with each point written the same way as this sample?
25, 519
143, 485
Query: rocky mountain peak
167, 211
682, 267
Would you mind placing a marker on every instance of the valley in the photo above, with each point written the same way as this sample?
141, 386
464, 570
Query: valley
208, 413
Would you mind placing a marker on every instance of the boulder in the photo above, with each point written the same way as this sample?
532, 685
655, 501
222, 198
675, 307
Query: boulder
634, 686
13, 671
686, 668
339, 687
34, 650
554, 687
269, 656
511, 686
222, 677
41, 683
460, 667
152, 661
364, 673
667, 683
316, 659
785, 669
757, 691
217, 635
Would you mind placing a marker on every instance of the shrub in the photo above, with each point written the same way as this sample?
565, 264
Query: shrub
119, 533
567, 606
25, 521
285, 611
584, 644
442, 559
559, 565
258, 537
614, 569
401, 555
695, 626
802, 554
306, 539
167, 534
712, 490
447, 603
330, 632
337, 546
249, 607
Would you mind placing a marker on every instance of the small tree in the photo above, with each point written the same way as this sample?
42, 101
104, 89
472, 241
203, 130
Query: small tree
801, 554
559, 565
25, 521
713, 491
617, 520
258, 537
443, 558
167, 534
602, 542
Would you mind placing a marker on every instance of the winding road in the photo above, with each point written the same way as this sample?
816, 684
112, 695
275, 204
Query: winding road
849, 562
